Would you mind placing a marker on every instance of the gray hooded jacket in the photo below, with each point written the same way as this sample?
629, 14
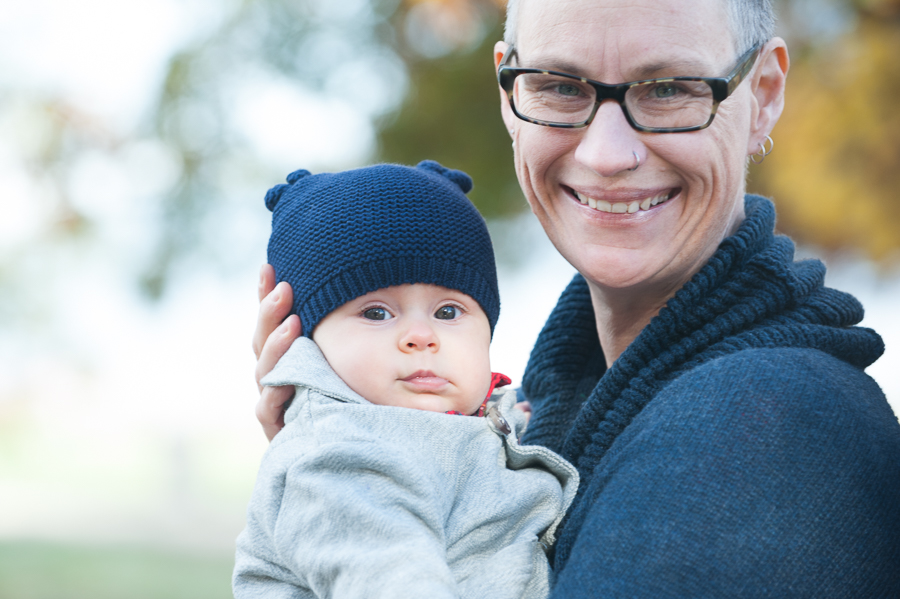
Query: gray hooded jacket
359, 500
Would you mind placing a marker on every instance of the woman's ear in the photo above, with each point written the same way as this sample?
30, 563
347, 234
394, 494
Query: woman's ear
506, 112
768, 91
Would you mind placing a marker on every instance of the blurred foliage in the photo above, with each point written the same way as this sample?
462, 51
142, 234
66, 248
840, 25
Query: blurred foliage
303, 40
32, 570
834, 170
452, 115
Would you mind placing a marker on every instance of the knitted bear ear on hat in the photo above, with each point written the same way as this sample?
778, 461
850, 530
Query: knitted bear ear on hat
461, 179
274, 194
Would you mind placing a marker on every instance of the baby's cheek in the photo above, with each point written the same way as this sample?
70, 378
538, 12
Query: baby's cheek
481, 389
471, 406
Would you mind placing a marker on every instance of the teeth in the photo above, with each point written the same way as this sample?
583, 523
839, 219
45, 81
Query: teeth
622, 207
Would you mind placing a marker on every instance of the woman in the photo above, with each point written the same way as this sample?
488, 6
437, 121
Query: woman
709, 389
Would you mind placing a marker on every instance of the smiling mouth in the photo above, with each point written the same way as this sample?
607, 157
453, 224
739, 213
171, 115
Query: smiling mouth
626, 207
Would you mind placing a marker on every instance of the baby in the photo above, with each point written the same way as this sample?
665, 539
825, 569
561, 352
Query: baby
387, 481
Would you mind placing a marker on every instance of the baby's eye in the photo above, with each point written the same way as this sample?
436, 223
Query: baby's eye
448, 312
376, 314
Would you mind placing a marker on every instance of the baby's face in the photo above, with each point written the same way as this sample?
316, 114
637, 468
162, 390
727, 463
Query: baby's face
414, 346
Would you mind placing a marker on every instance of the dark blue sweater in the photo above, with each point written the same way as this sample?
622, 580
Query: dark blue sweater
736, 448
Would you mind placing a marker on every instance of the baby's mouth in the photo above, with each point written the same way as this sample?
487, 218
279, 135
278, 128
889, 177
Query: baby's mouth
626, 207
425, 379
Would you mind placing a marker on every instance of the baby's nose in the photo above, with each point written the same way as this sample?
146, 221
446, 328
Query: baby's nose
419, 336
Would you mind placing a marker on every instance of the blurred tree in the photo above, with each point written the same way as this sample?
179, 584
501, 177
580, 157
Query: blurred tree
452, 115
834, 170
303, 41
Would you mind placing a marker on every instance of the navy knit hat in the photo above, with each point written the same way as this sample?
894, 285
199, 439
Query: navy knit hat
337, 236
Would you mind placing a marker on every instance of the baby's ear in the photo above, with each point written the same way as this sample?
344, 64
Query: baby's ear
274, 194
462, 180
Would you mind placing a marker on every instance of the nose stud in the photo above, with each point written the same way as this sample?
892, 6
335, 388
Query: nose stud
637, 161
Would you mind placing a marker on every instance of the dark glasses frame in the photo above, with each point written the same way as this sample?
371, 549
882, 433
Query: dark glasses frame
721, 87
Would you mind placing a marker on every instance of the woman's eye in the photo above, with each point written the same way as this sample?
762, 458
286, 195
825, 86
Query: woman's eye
664, 91
565, 89
447, 313
376, 314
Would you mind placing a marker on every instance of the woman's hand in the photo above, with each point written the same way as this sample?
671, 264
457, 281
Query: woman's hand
276, 330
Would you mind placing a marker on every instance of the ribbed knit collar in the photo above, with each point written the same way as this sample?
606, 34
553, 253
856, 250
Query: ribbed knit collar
751, 294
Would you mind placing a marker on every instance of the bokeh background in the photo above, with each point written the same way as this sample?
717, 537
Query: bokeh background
137, 140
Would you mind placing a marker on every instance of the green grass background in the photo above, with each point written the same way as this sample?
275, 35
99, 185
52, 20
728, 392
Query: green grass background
36, 570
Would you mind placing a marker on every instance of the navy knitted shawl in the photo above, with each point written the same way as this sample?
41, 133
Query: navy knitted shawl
751, 294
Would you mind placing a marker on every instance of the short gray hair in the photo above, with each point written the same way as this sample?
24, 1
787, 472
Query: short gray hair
752, 22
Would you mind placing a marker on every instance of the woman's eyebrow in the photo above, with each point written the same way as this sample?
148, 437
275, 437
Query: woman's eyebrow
671, 68
550, 64
675, 68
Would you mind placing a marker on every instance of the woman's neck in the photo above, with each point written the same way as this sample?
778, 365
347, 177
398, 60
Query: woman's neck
622, 314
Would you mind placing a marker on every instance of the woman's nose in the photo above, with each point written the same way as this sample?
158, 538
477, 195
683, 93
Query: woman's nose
607, 145
419, 336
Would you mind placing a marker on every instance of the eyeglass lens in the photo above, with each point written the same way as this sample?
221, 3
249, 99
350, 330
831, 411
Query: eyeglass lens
657, 104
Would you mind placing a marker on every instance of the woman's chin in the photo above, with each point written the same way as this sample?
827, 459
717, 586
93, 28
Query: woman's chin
622, 269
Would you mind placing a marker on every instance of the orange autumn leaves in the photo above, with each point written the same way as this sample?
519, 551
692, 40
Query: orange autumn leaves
835, 170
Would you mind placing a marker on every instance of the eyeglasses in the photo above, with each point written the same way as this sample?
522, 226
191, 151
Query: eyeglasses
670, 105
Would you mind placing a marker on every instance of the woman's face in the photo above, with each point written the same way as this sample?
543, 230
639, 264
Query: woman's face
699, 174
